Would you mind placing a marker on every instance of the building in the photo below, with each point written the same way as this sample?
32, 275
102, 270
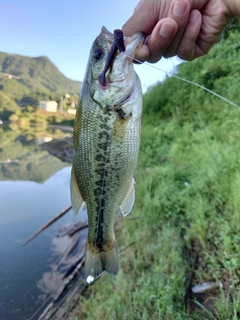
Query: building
11, 76
71, 111
50, 106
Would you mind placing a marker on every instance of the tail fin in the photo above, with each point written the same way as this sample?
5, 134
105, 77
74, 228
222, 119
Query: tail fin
100, 260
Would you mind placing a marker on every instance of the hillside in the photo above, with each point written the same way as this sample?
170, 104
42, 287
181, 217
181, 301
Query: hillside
25, 81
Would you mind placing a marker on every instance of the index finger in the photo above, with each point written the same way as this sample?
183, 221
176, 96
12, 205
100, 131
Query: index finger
144, 19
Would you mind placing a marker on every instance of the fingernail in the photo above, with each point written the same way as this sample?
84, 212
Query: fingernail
179, 8
166, 30
193, 16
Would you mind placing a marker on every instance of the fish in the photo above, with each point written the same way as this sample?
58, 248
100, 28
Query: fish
106, 143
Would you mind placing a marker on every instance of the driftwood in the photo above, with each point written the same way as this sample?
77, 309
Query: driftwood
59, 306
46, 225
65, 283
62, 309
59, 309
70, 230
69, 270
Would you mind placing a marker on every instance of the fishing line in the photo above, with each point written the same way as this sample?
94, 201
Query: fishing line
188, 81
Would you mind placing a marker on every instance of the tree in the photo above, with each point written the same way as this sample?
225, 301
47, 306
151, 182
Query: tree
30, 100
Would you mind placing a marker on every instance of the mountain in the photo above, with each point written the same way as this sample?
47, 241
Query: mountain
26, 80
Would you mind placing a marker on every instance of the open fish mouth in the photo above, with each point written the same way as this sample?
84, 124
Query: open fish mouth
131, 44
118, 44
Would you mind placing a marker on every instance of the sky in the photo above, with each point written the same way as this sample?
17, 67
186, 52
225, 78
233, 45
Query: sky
65, 30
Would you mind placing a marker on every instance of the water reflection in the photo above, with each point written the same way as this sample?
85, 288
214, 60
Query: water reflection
22, 159
25, 206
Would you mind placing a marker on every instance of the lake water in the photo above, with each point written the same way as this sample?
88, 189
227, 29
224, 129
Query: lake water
34, 187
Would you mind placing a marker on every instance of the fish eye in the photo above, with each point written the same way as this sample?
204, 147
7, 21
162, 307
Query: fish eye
98, 54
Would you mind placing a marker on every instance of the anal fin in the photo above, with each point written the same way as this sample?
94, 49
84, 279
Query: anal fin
128, 202
76, 197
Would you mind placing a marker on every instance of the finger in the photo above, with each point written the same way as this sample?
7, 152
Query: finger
187, 46
144, 18
160, 39
142, 54
212, 26
179, 11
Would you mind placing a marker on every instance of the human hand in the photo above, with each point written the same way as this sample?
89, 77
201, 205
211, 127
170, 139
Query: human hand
187, 28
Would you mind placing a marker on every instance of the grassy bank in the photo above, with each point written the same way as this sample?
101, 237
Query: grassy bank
184, 229
185, 223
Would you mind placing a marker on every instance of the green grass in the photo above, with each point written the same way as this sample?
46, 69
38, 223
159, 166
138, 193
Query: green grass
170, 217
185, 226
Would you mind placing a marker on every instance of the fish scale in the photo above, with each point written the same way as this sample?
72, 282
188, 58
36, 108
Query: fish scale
106, 159
106, 143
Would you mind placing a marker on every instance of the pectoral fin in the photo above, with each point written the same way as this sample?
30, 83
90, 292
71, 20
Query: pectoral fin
76, 197
128, 202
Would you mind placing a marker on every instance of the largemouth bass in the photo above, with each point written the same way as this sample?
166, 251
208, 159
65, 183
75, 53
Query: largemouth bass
106, 143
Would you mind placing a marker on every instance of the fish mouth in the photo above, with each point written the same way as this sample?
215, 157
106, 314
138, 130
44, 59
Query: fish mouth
132, 45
